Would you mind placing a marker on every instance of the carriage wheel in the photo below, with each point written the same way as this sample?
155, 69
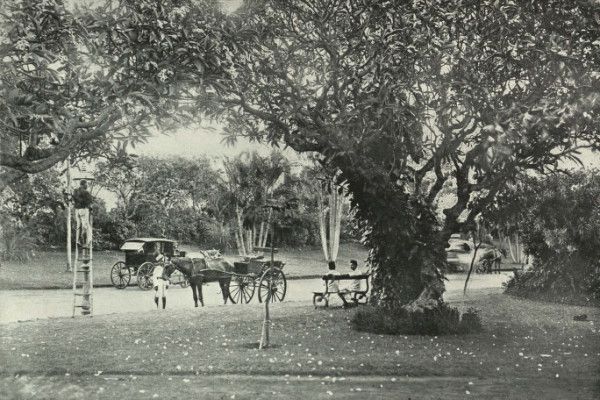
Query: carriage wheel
278, 285
241, 289
120, 275
144, 276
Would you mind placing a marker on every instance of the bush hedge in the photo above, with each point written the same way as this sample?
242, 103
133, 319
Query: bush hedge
444, 320
559, 221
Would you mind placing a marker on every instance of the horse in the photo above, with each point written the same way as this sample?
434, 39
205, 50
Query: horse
490, 261
199, 269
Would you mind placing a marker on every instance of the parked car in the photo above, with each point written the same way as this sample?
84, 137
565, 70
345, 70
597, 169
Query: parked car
459, 253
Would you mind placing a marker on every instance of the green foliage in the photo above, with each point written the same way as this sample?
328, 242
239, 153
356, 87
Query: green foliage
443, 320
90, 82
16, 242
560, 226
36, 205
119, 228
194, 201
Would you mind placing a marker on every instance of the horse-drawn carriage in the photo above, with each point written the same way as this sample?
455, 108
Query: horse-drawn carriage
140, 258
239, 281
255, 273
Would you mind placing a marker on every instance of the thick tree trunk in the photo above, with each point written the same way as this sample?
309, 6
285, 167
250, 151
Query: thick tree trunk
260, 234
239, 244
330, 206
240, 231
407, 251
262, 242
331, 226
323, 225
249, 244
515, 251
334, 234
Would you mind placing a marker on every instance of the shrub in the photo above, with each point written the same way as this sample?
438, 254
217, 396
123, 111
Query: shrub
558, 218
443, 320
565, 279
16, 243
216, 236
101, 241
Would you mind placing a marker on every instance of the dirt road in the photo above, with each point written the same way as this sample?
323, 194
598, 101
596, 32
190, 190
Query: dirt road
24, 305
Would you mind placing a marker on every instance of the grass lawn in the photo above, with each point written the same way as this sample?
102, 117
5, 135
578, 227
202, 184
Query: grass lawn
47, 269
528, 350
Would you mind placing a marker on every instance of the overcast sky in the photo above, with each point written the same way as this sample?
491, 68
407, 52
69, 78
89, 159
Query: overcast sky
190, 142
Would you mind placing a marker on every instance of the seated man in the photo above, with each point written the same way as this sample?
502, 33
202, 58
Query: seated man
355, 285
333, 287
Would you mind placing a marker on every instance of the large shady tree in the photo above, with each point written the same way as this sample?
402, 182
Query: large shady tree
406, 98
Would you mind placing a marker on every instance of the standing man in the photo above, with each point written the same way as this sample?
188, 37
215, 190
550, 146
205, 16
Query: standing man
82, 199
160, 282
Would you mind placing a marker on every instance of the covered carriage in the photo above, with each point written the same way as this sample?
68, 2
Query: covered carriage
141, 255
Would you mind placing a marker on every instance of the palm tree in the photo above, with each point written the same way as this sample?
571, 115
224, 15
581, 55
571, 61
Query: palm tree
250, 180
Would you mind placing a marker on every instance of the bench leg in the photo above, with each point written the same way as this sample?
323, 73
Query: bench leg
318, 297
358, 296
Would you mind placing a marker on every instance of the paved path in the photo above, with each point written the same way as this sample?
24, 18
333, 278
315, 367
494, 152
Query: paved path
23, 305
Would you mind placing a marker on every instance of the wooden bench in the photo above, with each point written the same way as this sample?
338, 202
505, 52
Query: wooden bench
357, 296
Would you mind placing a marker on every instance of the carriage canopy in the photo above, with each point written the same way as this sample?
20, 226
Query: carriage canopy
145, 244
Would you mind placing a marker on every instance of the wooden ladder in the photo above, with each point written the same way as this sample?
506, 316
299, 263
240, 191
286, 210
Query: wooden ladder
83, 274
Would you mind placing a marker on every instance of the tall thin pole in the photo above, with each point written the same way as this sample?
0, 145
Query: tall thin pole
264, 339
69, 265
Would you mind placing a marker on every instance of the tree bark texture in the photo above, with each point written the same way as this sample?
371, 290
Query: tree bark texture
407, 247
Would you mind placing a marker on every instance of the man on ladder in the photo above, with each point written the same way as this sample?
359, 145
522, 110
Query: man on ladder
82, 200
83, 285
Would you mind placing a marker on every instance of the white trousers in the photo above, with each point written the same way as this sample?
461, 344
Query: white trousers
160, 288
82, 218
